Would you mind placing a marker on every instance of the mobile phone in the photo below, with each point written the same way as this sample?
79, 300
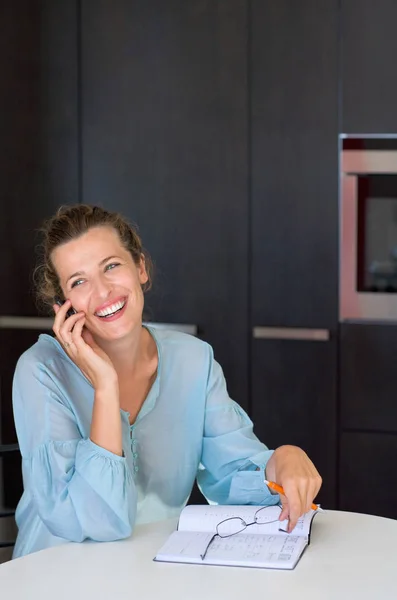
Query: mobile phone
71, 310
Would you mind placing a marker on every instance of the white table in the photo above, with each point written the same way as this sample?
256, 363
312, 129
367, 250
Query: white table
351, 556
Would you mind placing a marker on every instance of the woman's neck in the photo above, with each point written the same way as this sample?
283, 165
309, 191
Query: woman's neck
129, 353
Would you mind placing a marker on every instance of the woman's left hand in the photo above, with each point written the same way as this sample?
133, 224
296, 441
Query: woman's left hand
290, 467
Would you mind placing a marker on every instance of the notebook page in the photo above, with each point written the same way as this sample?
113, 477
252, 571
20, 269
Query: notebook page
207, 517
184, 545
272, 551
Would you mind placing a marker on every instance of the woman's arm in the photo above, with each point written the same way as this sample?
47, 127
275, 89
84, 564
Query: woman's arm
234, 461
80, 489
94, 363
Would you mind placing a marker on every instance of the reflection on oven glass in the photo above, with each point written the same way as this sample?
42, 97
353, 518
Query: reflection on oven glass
377, 234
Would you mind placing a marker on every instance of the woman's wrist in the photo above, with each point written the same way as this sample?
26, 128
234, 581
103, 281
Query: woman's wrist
106, 419
107, 388
280, 453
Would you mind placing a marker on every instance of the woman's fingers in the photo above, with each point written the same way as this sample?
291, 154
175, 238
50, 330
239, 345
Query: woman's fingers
314, 482
291, 468
300, 494
60, 313
77, 331
66, 330
284, 508
89, 339
296, 497
63, 325
316, 486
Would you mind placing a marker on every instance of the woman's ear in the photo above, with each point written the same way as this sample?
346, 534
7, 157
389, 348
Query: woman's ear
143, 276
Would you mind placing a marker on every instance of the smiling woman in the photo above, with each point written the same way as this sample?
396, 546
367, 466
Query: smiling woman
116, 420
105, 290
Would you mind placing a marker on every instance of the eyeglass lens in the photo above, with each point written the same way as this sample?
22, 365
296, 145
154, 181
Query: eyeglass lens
234, 525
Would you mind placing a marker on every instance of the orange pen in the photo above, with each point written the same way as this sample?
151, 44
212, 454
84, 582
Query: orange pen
277, 488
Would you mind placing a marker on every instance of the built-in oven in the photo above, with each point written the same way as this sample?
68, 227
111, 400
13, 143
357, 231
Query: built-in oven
368, 228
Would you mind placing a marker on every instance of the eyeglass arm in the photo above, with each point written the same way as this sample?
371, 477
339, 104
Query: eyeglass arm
204, 554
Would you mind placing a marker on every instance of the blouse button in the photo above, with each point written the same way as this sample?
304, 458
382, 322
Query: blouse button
135, 455
136, 469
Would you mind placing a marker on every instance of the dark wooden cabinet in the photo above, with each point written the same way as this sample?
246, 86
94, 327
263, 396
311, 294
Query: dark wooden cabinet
39, 168
164, 104
368, 477
39, 134
12, 343
294, 144
294, 224
368, 391
294, 401
368, 378
369, 81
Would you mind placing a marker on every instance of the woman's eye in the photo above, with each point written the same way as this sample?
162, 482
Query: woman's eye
77, 282
111, 266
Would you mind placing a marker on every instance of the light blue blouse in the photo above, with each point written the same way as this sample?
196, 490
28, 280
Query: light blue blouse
187, 427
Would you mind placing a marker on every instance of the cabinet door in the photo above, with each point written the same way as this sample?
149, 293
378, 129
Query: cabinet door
368, 477
294, 390
39, 141
369, 83
294, 223
294, 163
12, 343
39, 167
368, 380
165, 142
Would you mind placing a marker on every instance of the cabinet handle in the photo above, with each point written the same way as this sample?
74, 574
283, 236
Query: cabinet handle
44, 323
15, 322
291, 333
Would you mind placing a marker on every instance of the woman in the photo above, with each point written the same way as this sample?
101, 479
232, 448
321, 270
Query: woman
115, 420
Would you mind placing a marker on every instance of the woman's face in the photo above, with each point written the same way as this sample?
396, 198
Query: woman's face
101, 278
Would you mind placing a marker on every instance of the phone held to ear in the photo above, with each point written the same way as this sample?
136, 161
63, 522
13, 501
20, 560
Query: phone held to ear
71, 310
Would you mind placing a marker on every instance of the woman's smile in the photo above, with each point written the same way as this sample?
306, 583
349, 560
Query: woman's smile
112, 310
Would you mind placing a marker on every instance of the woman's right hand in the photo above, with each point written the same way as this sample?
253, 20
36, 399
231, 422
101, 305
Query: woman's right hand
82, 349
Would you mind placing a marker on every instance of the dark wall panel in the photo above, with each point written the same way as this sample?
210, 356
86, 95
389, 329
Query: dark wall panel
38, 165
12, 343
369, 47
368, 478
294, 73
368, 380
38, 123
294, 391
165, 142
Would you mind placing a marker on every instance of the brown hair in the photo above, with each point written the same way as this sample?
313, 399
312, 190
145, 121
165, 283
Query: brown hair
69, 223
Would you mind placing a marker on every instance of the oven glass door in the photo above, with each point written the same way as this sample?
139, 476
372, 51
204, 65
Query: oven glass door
377, 233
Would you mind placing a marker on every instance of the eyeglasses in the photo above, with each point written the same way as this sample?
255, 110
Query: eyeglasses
234, 525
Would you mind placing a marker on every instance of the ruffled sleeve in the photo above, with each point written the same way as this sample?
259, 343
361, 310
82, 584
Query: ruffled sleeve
81, 490
233, 459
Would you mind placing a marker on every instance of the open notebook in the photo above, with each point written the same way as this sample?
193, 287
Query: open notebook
265, 545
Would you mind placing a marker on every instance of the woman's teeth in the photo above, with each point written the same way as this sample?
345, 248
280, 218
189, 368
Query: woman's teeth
110, 310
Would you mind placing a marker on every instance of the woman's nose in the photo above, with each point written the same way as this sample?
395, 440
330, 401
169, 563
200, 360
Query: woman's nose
102, 288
